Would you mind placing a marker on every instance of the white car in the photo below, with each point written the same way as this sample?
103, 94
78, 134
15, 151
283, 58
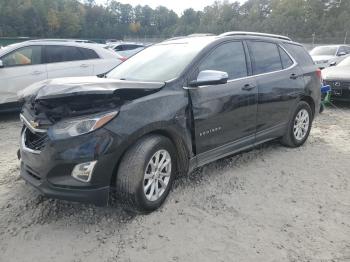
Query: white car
330, 55
28, 62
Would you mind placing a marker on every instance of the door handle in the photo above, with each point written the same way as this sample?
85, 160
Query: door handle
35, 73
294, 76
248, 87
84, 65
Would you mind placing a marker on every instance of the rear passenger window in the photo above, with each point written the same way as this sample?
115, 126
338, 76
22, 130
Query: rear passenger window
55, 54
89, 53
286, 60
229, 57
300, 54
266, 57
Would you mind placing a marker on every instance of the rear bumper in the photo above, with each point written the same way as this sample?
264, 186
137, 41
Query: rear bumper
97, 196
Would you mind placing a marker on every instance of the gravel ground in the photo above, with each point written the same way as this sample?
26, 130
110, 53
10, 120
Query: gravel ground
270, 204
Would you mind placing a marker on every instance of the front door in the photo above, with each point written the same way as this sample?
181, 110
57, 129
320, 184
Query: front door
225, 114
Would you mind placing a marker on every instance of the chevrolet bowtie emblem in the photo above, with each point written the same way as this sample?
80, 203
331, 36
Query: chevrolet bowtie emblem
34, 124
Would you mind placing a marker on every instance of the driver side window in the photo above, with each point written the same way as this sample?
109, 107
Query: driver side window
229, 58
30, 55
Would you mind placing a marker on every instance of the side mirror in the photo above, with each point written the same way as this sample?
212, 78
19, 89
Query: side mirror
342, 53
1, 64
210, 77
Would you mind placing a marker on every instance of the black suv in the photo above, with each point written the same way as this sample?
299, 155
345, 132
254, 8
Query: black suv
173, 107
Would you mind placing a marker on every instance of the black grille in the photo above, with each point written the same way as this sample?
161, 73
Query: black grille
338, 84
35, 141
339, 88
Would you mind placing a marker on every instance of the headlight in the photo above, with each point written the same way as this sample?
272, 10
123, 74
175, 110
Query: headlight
79, 126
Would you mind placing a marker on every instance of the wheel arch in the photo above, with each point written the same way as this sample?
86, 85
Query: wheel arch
311, 102
182, 151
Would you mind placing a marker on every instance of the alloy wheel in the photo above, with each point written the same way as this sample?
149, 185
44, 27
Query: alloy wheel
301, 124
157, 175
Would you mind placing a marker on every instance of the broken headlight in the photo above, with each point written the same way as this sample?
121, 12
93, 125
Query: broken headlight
79, 126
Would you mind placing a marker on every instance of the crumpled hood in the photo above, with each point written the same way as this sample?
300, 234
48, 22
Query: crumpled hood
75, 86
336, 73
322, 57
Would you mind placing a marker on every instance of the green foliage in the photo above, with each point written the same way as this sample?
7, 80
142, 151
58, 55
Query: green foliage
86, 19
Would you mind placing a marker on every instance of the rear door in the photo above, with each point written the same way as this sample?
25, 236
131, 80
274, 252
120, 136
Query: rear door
279, 80
225, 114
22, 68
66, 61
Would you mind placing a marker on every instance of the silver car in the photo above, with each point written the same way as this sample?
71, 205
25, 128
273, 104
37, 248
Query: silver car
330, 55
32, 61
338, 77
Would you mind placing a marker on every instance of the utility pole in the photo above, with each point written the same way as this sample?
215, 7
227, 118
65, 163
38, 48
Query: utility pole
346, 37
313, 39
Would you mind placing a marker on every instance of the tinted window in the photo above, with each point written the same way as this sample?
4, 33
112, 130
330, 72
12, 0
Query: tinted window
286, 60
55, 54
30, 55
300, 54
126, 47
89, 53
229, 57
266, 57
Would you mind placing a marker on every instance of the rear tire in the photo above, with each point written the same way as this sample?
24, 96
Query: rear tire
299, 126
146, 173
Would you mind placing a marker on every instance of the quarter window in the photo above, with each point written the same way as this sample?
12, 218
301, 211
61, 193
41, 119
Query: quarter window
286, 60
55, 54
30, 55
266, 57
229, 57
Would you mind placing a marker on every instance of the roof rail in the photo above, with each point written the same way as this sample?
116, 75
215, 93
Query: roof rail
233, 33
191, 35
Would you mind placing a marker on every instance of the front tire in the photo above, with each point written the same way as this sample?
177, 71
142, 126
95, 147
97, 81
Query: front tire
146, 173
299, 126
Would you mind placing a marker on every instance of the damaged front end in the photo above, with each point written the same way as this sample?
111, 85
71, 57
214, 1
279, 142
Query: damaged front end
65, 150
48, 102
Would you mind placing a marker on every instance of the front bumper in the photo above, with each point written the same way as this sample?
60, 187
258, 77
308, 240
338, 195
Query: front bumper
340, 90
49, 170
97, 196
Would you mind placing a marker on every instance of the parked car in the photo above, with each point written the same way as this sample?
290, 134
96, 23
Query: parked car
331, 55
172, 107
129, 53
28, 62
125, 46
338, 77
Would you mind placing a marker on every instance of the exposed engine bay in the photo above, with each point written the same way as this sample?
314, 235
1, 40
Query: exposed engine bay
48, 102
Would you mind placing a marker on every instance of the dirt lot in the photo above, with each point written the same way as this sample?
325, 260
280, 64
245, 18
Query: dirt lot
270, 204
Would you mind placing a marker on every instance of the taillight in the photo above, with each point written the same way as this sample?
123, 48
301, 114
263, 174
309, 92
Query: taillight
319, 74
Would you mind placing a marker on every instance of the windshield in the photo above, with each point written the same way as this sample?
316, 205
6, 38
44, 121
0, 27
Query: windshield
158, 63
324, 50
345, 62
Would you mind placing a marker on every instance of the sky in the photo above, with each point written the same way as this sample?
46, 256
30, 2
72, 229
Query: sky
177, 5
